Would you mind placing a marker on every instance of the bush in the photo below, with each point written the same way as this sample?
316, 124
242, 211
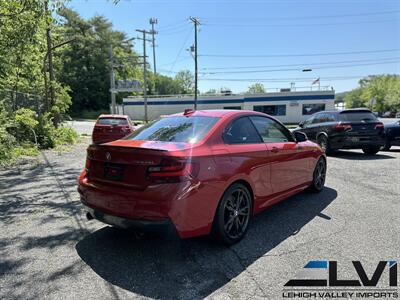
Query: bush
7, 142
23, 132
64, 136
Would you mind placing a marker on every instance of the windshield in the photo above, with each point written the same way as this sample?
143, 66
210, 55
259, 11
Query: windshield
112, 121
175, 129
357, 117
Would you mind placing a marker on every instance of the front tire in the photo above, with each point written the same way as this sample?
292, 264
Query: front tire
233, 215
319, 176
323, 142
371, 150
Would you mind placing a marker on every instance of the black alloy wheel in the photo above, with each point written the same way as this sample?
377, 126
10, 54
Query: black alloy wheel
319, 176
233, 214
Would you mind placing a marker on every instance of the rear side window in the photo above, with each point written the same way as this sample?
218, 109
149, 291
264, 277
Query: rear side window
175, 129
270, 130
112, 121
355, 116
241, 131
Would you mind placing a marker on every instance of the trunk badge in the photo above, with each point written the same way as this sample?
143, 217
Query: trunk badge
108, 156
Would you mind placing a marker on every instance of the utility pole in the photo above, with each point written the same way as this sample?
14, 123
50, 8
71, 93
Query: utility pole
50, 58
112, 82
196, 23
154, 21
144, 32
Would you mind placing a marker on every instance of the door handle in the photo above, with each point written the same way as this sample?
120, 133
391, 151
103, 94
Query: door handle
274, 150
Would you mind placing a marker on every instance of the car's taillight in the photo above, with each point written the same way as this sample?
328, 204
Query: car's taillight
379, 126
343, 127
125, 129
170, 170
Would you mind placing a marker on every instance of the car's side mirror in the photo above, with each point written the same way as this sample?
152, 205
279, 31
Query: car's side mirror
301, 124
300, 136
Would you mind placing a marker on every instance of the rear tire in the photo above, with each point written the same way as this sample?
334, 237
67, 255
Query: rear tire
233, 215
323, 142
371, 150
319, 176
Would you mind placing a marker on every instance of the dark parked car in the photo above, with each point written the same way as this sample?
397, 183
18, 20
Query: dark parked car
392, 135
345, 129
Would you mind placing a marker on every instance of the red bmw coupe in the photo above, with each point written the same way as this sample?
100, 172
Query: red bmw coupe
199, 172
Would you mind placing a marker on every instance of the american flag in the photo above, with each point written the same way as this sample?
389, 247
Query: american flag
315, 81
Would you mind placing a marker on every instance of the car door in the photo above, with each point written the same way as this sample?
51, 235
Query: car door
305, 125
289, 165
248, 154
313, 128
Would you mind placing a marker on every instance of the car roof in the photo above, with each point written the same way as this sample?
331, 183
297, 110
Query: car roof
344, 111
114, 116
355, 110
217, 113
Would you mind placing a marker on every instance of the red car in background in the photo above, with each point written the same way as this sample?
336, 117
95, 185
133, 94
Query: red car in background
199, 172
111, 127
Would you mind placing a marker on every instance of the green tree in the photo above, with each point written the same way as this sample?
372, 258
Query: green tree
210, 92
256, 88
86, 62
166, 85
384, 90
353, 99
185, 81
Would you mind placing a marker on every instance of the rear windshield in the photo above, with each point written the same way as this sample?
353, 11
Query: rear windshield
112, 121
175, 129
357, 117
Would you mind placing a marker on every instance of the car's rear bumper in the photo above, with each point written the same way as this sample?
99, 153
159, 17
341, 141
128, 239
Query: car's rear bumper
356, 142
148, 226
189, 206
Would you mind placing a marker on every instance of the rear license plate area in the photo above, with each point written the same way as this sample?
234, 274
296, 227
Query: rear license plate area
113, 171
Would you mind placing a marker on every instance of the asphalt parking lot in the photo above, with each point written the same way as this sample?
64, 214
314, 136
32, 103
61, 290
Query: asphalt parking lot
48, 249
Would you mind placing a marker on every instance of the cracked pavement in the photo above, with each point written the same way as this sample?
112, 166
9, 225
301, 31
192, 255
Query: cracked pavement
48, 249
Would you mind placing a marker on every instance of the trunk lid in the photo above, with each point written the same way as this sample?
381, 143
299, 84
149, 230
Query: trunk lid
126, 162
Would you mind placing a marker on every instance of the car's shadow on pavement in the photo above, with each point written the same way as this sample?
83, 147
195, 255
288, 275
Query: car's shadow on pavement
176, 269
351, 155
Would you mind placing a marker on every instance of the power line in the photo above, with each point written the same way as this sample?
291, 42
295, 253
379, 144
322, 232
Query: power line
304, 79
294, 55
300, 65
173, 25
236, 24
297, 69
180, 50
309, 17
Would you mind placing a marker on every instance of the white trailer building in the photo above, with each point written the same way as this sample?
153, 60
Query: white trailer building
287, 106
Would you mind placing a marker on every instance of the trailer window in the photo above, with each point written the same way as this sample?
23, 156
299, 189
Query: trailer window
272, 110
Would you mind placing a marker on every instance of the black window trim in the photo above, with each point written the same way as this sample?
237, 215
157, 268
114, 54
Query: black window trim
289, 134
234, 120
